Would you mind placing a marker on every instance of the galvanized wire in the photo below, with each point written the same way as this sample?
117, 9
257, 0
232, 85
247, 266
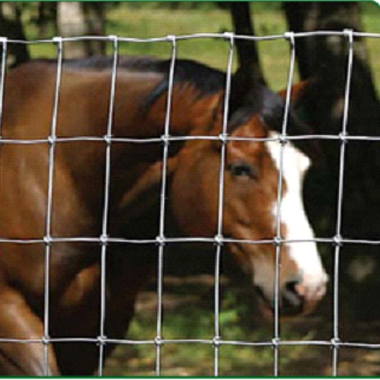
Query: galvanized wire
161, 233
216, 341
219, 232
4, 54
49, 205
337, 239
107, 183
276, 320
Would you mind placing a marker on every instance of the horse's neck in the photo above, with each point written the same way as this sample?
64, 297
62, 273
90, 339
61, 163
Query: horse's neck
90, 93
84, 102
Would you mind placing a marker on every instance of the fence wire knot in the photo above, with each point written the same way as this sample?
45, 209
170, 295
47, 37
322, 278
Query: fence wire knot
283, 139
158, 341
218, 239
104, 239
173, 39
335, 343
107, 139
337, 241
223, 138
229, 36
101, 340
165, 139
51, 140
276, 342
58, 40
290, 37
277, 241
160, 240
349, 33
216, 341
113, 38
45, 340
47, 240
343, 137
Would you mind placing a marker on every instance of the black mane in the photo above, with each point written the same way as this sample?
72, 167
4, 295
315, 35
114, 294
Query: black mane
207, 81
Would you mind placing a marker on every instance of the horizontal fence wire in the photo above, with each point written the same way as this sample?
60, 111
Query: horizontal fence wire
226, 36
161, 240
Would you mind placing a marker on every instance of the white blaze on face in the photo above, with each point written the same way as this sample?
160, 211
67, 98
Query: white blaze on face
305, 254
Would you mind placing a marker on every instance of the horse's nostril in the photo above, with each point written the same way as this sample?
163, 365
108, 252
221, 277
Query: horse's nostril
291, 286
291, 300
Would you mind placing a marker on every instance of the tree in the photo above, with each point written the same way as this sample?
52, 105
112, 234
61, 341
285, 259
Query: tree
247, 52
46, 15
325, 59
11, 26
87, 18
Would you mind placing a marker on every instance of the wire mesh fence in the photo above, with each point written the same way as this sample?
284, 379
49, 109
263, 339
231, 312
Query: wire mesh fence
52, 140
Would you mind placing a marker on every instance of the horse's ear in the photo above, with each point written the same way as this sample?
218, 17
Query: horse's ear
274, 105
246, 97
298, 123
241, 87
298, 92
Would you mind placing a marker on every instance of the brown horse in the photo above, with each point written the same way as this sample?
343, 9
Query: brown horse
249, 211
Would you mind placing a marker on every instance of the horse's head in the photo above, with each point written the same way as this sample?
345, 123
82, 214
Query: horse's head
250, 208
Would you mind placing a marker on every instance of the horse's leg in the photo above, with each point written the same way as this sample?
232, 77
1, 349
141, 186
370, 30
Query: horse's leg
17, 321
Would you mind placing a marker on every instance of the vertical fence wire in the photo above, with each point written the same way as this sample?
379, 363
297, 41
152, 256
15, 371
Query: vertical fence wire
338, 237
4, 44
106, 201
278, 237
161, 233
49, 203
4, 55
219, 235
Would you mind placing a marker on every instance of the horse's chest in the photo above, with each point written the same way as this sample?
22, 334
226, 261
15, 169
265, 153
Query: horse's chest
83, 289
77, 312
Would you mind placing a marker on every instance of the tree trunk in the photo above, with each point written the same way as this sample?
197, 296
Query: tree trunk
46, 14
95, 24
11, 27
308, 16
79, 19
247, 50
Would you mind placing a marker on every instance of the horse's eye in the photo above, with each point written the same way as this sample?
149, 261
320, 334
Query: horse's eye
241, 169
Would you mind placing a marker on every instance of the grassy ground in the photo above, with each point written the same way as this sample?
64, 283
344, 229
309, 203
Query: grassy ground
190, 317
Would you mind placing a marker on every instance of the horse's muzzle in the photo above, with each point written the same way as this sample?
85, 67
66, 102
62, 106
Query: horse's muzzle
295, 298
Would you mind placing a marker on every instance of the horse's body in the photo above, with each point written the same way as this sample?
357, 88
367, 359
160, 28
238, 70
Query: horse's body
78, 200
